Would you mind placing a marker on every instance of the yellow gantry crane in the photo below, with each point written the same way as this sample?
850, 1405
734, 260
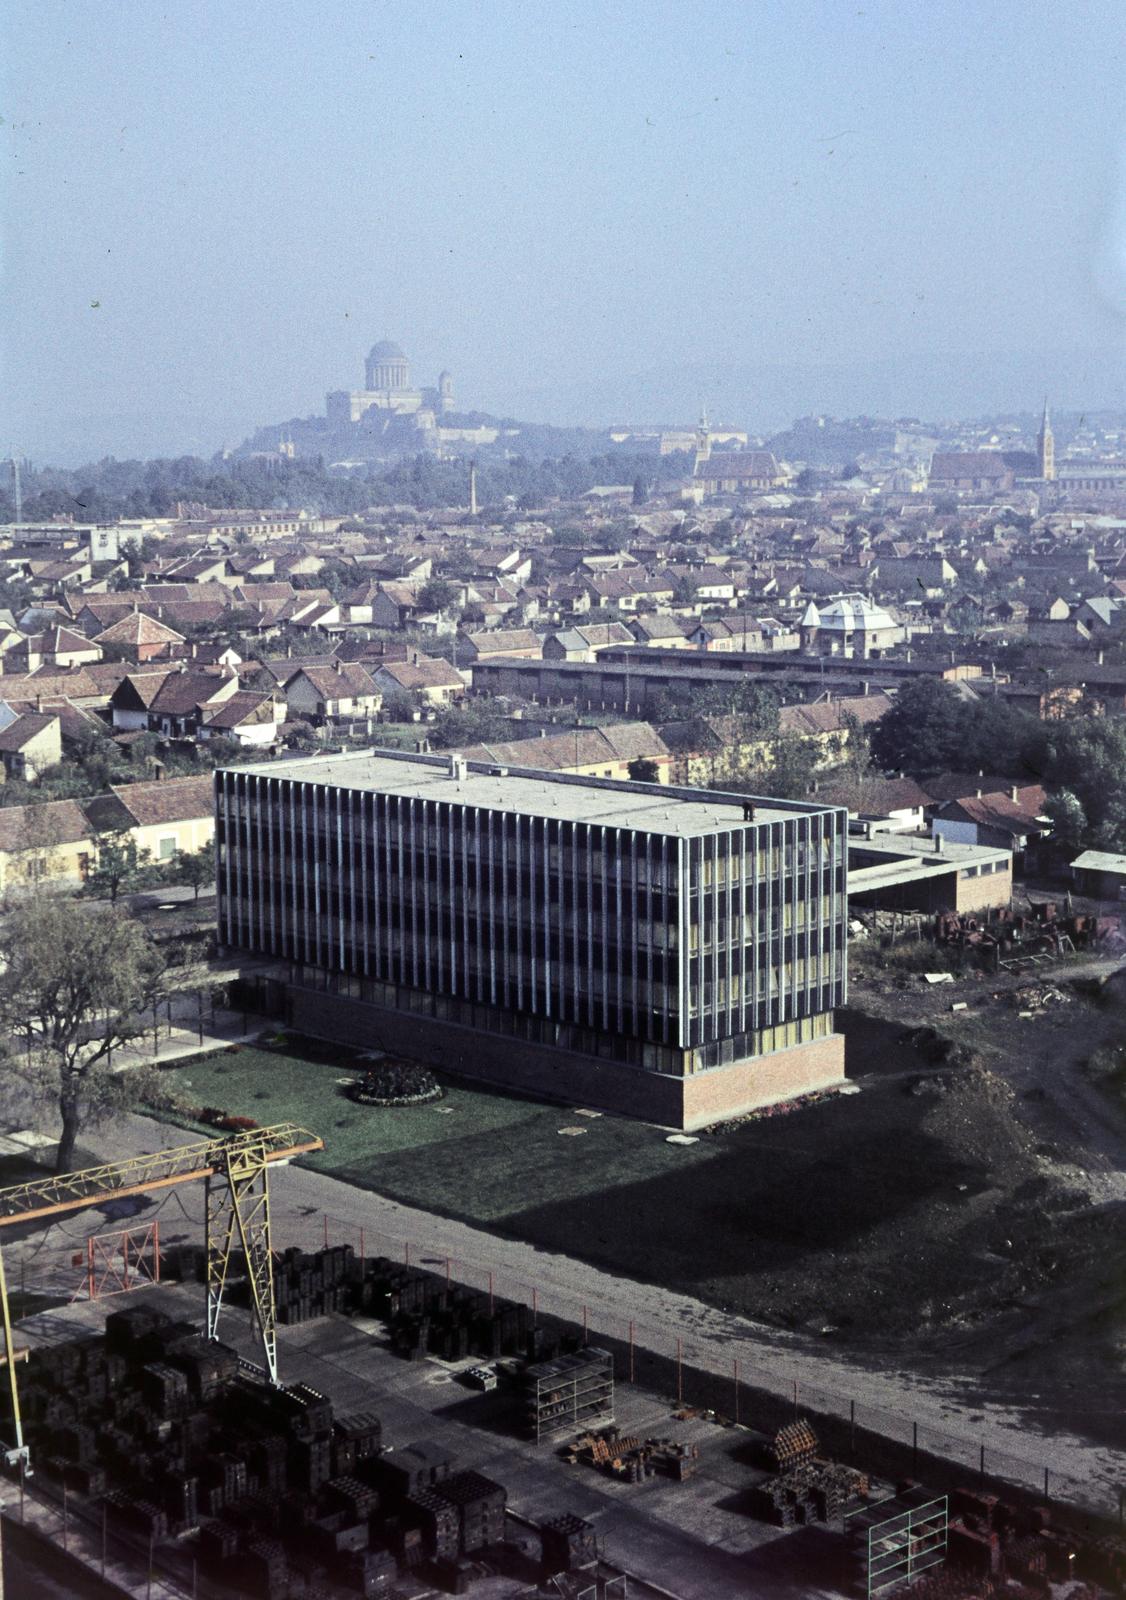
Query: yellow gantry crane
235, 1170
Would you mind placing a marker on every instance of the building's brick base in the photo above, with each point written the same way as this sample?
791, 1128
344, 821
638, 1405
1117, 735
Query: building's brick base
544, 1072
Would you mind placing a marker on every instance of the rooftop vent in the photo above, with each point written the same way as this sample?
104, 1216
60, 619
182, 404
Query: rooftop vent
459, 767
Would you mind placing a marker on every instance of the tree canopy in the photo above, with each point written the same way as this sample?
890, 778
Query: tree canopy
74, 986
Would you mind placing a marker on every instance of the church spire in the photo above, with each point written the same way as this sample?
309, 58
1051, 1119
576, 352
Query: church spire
1046, 447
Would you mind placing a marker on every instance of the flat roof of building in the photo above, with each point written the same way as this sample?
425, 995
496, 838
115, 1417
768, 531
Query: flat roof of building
648, 808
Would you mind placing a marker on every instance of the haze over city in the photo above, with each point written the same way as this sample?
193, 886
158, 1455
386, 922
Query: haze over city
590, 214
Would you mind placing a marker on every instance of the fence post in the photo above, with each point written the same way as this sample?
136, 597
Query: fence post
852, 1428
490, 1291
679, 1374
1045, 1483
914, 1449
406, 1252
104, 1519
362, 1251
981, 1462
585, 1328
535, 1307
66, 1516
795, 1399
631, 1380
326, 1229
156, 1250
736, 1375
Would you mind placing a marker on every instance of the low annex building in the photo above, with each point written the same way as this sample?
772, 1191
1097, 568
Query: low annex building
673, 954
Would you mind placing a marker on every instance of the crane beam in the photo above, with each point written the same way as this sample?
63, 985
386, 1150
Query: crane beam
236, 1172
115, 1180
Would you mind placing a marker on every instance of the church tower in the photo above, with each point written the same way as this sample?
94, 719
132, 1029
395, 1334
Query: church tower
1046, 447
703, 438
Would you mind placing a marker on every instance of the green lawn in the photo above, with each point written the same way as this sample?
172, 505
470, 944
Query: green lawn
793, 1217
480, 1148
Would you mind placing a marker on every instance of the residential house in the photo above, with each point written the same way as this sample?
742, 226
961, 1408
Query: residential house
514, 643
55, 647
436, 681
851, 625
1013, 818
140, 638
584, 643
606, 752
660, 630
334, 693
249, 718
182, 700
29, 744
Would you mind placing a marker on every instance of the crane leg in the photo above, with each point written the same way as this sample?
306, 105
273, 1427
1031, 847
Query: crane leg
18, 1452
242, 1203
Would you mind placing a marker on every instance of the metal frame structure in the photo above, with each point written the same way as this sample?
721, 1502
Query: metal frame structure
117, 1263
902, 1547
235, 1169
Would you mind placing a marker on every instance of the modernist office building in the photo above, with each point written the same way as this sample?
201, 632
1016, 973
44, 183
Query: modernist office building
672, 953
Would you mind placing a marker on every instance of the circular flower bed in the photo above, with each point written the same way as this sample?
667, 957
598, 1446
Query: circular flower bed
396, 1083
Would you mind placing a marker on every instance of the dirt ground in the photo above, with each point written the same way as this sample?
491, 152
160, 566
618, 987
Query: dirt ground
1019, 1274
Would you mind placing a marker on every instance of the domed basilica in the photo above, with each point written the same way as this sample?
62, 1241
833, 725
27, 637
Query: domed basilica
387, 389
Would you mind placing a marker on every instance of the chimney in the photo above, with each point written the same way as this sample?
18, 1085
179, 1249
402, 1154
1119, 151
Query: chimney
977, 794
1015, 793
459, 767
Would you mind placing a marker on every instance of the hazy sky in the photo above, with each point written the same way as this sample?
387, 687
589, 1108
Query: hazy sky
587, 211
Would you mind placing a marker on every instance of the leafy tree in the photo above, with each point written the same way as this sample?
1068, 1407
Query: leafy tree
120, 867
1085, 774
75, 982
193, 868
640, 491
438, 594
793, 762
644, 770
924, 731
478, 721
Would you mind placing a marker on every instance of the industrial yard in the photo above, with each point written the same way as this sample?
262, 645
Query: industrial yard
969, 1196
393, 1471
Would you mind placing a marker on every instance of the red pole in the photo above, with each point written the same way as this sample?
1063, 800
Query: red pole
736, 1388
125, 1237
156, 1252
631, 1352
91, 1286
679, 1375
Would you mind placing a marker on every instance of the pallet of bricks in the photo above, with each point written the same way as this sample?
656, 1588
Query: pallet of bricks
988, 1538
805, 1486
306, 1284
438, 1515
570, 1564
428, 1316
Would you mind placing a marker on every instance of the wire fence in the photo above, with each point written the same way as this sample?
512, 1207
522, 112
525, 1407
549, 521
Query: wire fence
689, 1372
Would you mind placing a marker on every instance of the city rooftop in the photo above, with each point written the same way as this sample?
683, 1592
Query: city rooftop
648, 808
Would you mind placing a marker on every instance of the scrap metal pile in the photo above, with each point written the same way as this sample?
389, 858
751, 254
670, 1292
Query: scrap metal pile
634, 1460
997, 938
